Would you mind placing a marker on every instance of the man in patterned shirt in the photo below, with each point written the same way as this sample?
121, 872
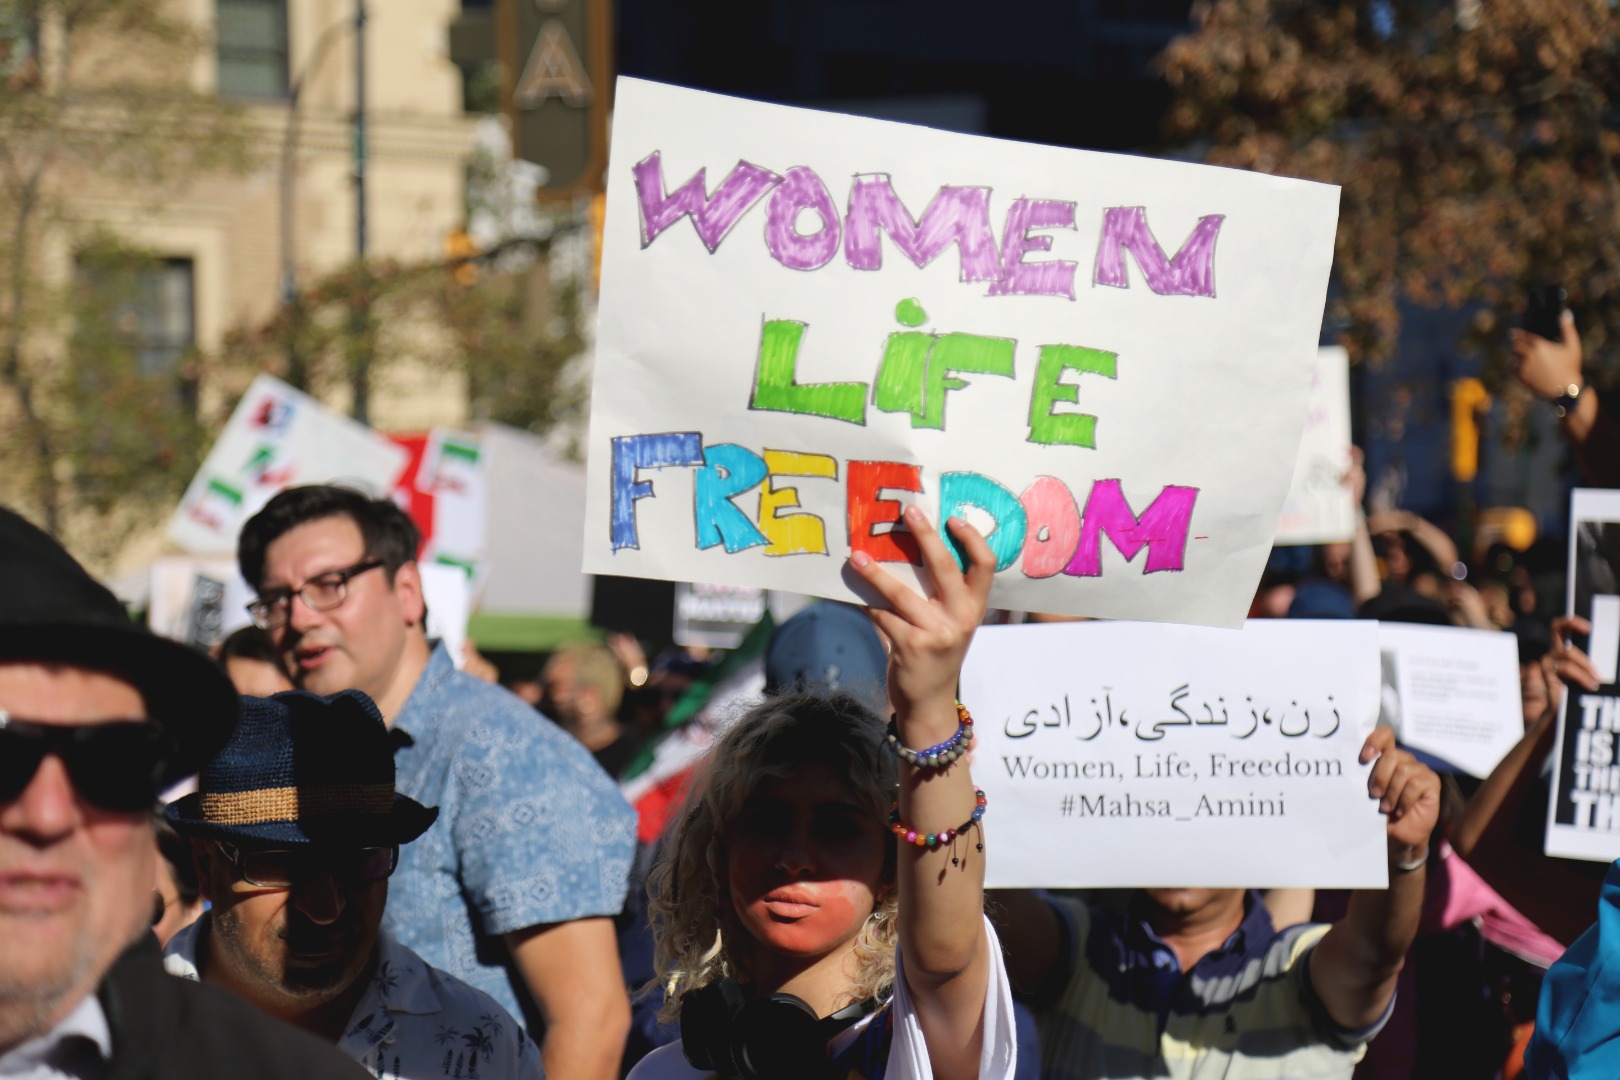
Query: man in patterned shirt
515, 890
295, 828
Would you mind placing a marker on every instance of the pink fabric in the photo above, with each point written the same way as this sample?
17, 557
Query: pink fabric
1456, 895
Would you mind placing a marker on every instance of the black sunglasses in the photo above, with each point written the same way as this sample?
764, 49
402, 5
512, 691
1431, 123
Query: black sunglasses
117, 766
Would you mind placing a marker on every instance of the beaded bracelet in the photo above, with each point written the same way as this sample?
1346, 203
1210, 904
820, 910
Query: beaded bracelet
940, 755
907, 835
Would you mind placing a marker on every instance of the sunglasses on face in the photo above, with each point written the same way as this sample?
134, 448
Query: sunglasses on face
282, 868
117, 766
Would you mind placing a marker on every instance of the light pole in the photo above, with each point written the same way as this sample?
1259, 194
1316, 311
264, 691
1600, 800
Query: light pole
360, 350
289, 148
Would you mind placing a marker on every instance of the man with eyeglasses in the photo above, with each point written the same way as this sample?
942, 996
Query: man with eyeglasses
96, 717
295, 828
515, 891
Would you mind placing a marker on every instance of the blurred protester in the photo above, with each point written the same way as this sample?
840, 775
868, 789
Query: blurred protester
1501, 830
1412, 552
536, 841
1197, 983
295, 828
253, 663
1551, 370
96, 715
178, 897
478, 665
583, 686
1577, 1032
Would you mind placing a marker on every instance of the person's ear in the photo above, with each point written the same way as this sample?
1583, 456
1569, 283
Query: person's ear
205, 858
408, 587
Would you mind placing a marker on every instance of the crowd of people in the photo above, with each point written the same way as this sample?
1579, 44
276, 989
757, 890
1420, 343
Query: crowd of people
330, 850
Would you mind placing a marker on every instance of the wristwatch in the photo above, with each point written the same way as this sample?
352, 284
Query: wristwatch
1564, 403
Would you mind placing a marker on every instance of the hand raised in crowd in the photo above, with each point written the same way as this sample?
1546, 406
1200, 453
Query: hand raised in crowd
1408, 791
930, 637
1548, 368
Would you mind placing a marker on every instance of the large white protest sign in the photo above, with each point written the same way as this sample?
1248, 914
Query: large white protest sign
1452, 693
277, 437
809, 321
1320, 508
1583, 820
1131, 754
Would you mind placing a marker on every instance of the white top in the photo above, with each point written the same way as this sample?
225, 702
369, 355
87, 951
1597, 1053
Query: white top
414, 1022
52, 1056
908, 1053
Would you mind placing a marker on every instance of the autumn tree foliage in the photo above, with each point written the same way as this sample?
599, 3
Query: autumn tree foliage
95, 102
1475, 142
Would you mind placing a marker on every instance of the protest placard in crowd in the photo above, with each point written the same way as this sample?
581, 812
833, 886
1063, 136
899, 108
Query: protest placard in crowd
1583, 819
1320, 508
810, 320
1451, 692
1134, 754
277, 437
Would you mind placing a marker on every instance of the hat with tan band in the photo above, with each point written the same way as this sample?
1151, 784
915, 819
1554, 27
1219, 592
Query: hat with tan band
303, 769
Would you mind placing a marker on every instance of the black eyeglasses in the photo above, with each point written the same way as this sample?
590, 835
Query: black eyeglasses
282, 868
115, 766
323, 592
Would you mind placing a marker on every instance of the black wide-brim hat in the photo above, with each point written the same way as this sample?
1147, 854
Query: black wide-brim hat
52, 611
303, 769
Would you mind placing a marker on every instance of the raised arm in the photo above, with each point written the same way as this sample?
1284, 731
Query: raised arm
945, 953
1547, 891
1548, 369
1354, 968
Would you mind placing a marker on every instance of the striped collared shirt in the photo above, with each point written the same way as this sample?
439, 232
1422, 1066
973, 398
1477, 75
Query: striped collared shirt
1246, 1011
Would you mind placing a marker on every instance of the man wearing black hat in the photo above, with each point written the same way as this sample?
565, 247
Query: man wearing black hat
295, 827
97, 716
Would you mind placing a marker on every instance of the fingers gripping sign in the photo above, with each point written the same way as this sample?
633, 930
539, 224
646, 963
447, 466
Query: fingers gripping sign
1408, 794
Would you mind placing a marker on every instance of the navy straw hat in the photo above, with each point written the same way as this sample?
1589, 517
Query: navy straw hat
52, 611
303, 769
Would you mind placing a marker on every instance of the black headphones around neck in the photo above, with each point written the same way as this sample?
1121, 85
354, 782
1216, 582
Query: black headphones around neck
741, 1036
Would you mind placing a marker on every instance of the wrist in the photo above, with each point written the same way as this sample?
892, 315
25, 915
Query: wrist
1405, 858
1567, 397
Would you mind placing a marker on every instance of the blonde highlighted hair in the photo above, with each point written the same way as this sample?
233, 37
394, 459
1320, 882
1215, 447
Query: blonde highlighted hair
771, 741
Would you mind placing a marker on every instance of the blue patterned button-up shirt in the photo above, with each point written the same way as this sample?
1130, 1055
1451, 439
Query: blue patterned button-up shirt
530, 831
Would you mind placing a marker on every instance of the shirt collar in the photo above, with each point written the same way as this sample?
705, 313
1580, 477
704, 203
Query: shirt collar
416, 718
86, 1022
1253, 932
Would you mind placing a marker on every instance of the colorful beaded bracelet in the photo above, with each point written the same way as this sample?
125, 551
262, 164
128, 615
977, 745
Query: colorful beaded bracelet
940, 755
907, 835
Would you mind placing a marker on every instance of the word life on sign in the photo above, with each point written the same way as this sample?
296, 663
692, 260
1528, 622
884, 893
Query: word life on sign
1154, 755
1583, 817
810, 321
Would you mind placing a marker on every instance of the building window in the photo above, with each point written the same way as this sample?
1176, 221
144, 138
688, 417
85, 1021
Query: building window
140, 307
252, 44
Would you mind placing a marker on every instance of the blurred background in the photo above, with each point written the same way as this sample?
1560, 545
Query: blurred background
395, 206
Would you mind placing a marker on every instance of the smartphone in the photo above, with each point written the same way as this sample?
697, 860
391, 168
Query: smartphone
1543, 310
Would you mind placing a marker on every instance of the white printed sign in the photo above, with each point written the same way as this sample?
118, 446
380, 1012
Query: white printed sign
1583, 820
1451, 692
811, 320
276, 438
1320, 508
1129, 754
